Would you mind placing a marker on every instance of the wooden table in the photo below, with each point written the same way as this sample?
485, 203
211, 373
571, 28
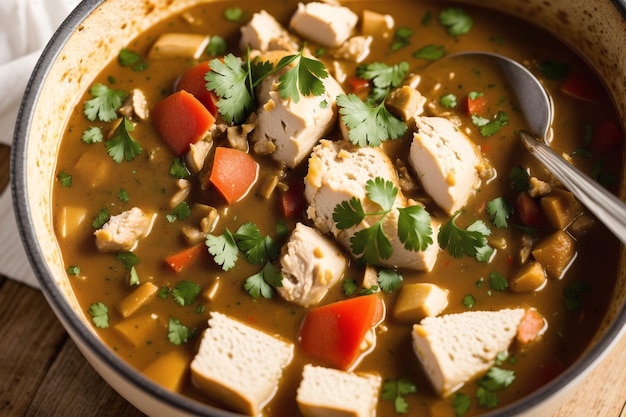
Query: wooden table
42, 373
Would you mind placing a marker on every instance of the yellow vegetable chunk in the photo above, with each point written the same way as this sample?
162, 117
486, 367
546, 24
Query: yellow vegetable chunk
416, 301
138, 330
178, 45
169, 370
555, 252
92, 169
532, 277
70, 220
560, 208
137, 299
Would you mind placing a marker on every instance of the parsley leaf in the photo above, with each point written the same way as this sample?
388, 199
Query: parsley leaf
185, 293
92, 135
258, 249
224, 249
456, 21
122, 145
177, 333
262, 283
104, 104
471, 241
99, 313
389, 280
499, 210
395, 390
369, 125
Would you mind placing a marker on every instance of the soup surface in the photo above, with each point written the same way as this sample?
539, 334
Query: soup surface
113, 159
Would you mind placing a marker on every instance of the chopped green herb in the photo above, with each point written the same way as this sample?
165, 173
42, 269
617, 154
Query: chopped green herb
469, 301
471, 241
304, 78
126, 57
498, 282
99, 313
123, 196
92, 135
496, 379
224, 249
383, 75
217, 46
449, 101
349, 287
401, 38
180, 212
73, 270
121, 145
553, 70
258, 249
163, 292
490, 127
427, 18
583, 152
65, 179
371, 243
233, 14
461, 404
282, 230
104, 104
389, 280
486, 399
499, 210
133, 277
229, 80
178, 169
520, 178
499, 40
430, 52
573, 293
263, 283
129, 259
177, 333
395, 390
606, 179
456, 21
185, 293
101, 218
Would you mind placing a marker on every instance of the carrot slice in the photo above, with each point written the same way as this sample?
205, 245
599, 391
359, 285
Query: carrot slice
583, 85
528, 209
334, 333
357, 85
475, 105
193, 81
188, 256
530, 327
181, 120
293, 201
233, 173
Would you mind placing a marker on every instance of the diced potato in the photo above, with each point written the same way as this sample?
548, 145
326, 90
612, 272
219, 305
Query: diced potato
178, 45
405, 102
560, 208
137, 299
581, 225
532, 277
555, 252
416, 301
169, 370
69, 220
139, 329
92, 169
376, 24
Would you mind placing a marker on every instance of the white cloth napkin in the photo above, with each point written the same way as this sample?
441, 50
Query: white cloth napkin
25, 28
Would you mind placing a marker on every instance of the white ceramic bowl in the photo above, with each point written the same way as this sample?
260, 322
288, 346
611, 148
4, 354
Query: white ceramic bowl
92, 36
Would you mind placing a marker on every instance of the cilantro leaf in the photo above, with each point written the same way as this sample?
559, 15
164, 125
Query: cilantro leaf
185, 293
104, 104
389, 280
349, 287
553, 70
180, 212
229, 81
498, 282
224, 249
92, 135
381, 192
499, 210
449, 101
348, 213
233, 14
469, 301
133, 277
178, 169
383, 75
486, 398
122, 145
65, 179
464, 242
490, 127
305, 78
401, 38
263, 283
99, 313
217, 46
177, 333
395, 390
520, 179
430, 52
372, 243
496, 379
369, 125
129, 259
101, 218
414, 228
456, 21
461, 404
258, 249
73, 270
123, 196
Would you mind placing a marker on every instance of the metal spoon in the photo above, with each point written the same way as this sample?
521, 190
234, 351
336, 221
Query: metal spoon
537, 108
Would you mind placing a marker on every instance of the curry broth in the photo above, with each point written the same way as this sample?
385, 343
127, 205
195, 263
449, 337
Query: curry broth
103, 278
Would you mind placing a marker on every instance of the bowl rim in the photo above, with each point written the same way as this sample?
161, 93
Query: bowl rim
77, 328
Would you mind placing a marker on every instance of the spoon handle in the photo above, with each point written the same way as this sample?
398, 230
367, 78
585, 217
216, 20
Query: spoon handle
609, 209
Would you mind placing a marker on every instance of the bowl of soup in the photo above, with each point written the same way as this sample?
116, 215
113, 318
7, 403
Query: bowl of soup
282, 208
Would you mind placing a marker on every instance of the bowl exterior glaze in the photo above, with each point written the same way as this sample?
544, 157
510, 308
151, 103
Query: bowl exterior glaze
92, 36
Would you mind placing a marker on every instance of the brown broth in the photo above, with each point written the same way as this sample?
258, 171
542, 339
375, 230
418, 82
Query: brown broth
102, 278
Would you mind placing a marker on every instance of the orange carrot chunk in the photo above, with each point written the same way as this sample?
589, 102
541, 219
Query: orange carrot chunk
233, 173
583, 85
530, 327
181, 119
293, 201
193, 81
188, 256
334, 333
475, 105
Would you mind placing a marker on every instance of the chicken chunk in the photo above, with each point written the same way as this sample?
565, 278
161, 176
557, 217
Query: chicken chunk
355, 49
264, 33
338, 171
293, 126
446, 162
326, 24
122, 232
310, 265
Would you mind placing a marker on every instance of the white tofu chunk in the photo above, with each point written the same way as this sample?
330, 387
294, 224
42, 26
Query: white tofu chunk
227, 365
122, 232
338, 171
446, 162
326, 392
326, 24
456, 348
264, 33
310, 265
355, 49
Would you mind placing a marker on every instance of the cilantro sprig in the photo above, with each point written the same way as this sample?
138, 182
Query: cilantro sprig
395, 390
371, 243
234, 82
456, 21
99, 313
471, 242
122, 145
104, 104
